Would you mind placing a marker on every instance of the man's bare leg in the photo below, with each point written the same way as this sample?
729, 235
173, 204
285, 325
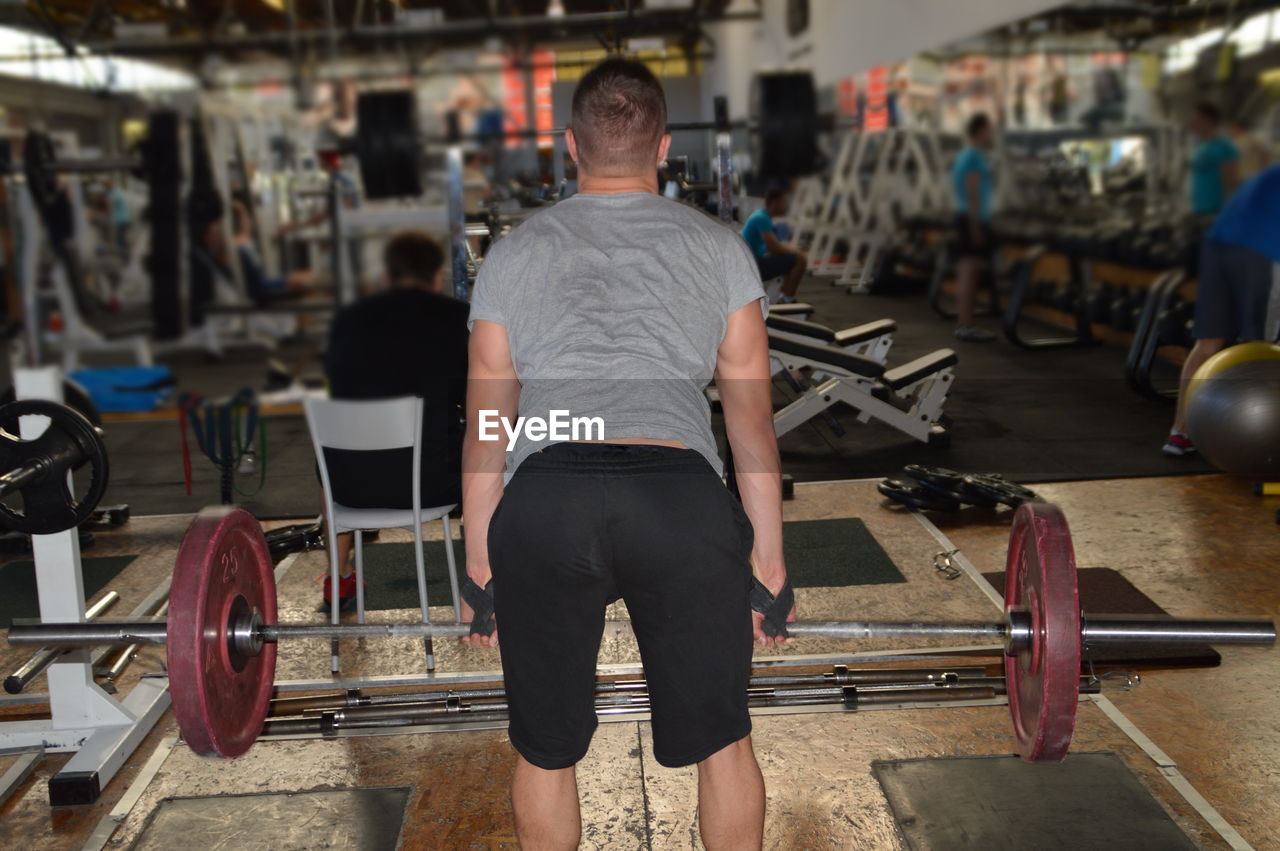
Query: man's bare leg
731, 798
346, 543
791, 283
967, 270
546, 807
1200, 352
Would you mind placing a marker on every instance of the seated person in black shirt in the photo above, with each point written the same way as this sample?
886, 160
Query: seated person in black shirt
408, 341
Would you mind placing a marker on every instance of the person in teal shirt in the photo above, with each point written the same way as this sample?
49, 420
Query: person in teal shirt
121, 217
972, 180
1214, 161
774, 258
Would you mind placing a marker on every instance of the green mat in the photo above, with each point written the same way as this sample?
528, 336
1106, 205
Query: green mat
820, 554
18, 579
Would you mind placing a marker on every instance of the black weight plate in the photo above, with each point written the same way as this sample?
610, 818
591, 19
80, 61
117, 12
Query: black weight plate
1000, 490
70, 442
914, 495
387, 144
950, 484
939, 476
784, 110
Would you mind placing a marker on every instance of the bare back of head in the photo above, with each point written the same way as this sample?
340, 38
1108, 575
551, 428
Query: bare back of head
619, 118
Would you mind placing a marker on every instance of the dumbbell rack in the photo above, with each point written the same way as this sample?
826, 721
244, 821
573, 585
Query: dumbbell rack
101, 730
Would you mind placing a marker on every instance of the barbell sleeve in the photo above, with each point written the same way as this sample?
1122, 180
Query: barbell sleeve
1096, 630
18, 478
21, 678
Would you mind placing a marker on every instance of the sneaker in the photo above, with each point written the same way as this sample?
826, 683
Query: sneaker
346, 588
1178, 444
973, 334
786, 299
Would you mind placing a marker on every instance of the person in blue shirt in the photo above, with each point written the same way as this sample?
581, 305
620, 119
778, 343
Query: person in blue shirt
1239, 277
972, 180
1214, 161
121, 216
775, 258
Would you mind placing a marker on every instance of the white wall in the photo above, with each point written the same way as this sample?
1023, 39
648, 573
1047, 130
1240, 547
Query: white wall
844, 37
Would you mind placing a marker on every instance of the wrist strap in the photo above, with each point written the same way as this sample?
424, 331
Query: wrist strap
774, 608
481, 602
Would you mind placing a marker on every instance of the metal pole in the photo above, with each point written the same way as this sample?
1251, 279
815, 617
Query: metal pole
1095, 630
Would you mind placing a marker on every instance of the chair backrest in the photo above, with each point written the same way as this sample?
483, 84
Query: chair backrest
365, 426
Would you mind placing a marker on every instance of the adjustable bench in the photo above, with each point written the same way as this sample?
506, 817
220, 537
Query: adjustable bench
871, 339
908, 398
797, 309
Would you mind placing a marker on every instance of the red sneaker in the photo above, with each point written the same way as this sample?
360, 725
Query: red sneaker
1178, 444
346, 588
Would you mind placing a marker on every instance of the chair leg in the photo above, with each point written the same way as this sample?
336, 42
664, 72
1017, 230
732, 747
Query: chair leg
453, 568
359, 543
333, 591
420, 563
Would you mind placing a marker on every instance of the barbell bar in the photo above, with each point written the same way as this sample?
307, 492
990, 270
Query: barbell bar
222, 631
782, 130
245, 632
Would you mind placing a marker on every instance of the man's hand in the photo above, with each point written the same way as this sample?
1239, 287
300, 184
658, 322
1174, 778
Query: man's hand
776, 579
478, 572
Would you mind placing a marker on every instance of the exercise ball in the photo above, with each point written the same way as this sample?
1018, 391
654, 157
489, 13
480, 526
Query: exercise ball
1233, 410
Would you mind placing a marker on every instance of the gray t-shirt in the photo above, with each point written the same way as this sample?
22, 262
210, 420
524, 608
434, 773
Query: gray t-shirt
615, 307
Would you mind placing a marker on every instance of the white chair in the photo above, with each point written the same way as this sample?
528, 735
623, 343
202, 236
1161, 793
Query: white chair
370, 426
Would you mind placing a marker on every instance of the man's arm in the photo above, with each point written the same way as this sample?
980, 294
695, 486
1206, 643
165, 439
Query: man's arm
973, 203
777, 246
492, 387
742, 377
1230, 178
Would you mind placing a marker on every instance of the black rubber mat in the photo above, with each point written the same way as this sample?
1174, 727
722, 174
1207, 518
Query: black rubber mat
1092, 800
298, 821
1033, 415
819, 553
18, 579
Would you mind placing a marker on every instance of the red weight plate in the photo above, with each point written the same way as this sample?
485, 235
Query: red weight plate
220, 697
1043, 677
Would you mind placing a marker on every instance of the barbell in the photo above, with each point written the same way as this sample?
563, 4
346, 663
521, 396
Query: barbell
783, 132
221, 632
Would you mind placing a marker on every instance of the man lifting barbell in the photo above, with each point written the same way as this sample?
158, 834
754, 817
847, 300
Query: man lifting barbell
619, 304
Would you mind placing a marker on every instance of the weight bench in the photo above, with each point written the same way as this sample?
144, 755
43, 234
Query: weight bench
799, 309
870, 340
908, 398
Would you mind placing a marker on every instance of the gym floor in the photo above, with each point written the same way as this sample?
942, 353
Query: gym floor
1194, 544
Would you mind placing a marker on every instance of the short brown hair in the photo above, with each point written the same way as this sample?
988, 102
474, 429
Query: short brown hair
977, 123
619, 116
1209, 112
410, 257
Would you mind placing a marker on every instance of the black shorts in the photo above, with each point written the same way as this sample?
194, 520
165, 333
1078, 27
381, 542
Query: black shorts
775, 265
580, 525
1233, 292
965, 244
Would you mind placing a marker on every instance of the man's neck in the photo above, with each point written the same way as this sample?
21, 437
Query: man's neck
617, 185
